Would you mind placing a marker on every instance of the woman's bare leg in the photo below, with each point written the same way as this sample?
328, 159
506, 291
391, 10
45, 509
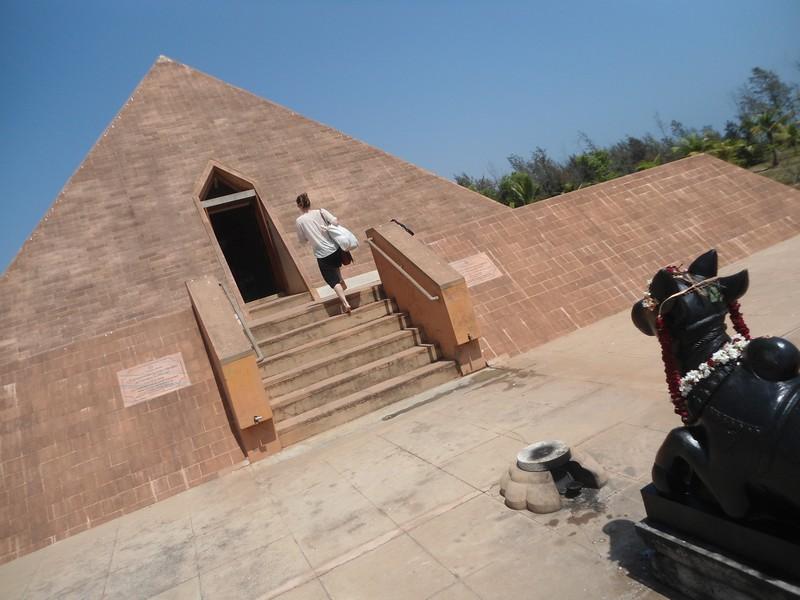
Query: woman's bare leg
342, 298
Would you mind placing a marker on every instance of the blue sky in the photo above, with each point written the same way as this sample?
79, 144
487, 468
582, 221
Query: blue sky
450, 86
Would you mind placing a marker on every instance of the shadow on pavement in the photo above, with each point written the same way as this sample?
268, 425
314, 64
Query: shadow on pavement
630, 553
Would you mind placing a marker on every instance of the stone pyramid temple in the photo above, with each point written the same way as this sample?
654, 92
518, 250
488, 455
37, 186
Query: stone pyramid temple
163, 324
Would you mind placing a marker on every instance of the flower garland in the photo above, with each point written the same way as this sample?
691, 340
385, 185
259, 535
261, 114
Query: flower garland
738, 320
731, 351
680, 387
671, 370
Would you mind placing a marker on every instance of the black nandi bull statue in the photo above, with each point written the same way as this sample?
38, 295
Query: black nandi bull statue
738, 398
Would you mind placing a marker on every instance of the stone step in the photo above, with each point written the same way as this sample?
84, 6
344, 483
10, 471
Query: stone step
333, 345
284, 321
303, 375
325, 328
331, 414
261, 308
323, 391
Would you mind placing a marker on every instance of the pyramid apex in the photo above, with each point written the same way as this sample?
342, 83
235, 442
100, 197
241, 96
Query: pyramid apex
162, 59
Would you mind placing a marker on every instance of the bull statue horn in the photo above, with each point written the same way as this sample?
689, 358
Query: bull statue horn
705, 265
734, 286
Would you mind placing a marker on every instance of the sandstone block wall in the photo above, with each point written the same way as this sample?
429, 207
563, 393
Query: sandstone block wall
72, 456
571, 260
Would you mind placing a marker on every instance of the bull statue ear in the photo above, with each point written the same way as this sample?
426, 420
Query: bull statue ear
643, 318
663, 285
734, 286
705, 265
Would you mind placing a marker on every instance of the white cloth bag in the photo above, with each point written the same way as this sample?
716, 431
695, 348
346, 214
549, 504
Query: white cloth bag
343, 237
340, 235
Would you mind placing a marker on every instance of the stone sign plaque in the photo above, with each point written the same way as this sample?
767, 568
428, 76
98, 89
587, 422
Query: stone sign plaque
152, 379
476, 269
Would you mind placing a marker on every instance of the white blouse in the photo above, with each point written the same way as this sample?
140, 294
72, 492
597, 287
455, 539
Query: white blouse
311, 227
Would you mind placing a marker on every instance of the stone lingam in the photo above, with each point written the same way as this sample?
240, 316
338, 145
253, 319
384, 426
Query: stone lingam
544, 472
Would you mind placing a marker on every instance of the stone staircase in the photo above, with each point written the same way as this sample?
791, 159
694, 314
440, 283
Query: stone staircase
322, 368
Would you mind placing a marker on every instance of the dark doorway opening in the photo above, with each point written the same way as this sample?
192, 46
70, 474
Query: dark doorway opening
219, 187
241, 236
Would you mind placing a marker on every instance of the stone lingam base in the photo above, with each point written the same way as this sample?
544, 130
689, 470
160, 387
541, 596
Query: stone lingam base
721, 558
545, 471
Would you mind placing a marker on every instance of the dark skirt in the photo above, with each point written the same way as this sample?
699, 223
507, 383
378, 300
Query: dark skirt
329, 267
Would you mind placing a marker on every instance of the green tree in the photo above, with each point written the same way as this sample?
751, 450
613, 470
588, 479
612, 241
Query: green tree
482, 185
590, 167
767, 125
767, 122
543, 170
767, 107
517, 189
765, 92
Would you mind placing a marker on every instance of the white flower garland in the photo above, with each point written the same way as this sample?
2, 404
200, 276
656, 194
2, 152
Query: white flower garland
730, 351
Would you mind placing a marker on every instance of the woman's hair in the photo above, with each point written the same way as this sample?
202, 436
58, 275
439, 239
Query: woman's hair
303, 201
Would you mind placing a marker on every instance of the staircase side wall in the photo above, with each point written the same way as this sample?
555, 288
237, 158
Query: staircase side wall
73, 456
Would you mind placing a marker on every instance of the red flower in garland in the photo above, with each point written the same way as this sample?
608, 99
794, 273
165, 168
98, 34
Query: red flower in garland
670, 368
738, 320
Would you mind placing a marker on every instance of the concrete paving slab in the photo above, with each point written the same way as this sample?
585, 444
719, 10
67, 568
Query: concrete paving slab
511, 398
458, 591
83, 588
16, 576
188, 590
312, 590
294, 476
351, 457
479, 533
564, 570
405, 487
482, 466
135, 546
257, 573
658, 415
400, 569
237, 509
238, 535
582, 418
625, 449
438, 438
332, 519
601, 522
158, 515
76, 565
153, 575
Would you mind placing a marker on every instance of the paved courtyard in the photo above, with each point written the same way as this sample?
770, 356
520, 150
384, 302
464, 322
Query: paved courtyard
404, 503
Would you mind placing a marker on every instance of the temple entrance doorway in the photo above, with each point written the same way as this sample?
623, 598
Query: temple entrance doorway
241, 231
